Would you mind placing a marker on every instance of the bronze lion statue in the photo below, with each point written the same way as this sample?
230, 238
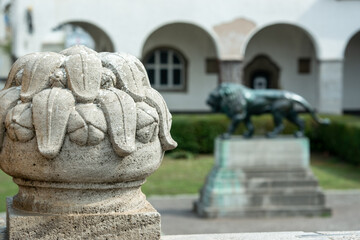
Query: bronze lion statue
239, 103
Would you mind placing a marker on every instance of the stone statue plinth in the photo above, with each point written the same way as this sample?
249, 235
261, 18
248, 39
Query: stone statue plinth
80, 133
261, 177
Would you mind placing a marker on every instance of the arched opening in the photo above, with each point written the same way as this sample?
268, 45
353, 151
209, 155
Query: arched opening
76, 32
181, 58
261, 73
287, 48
351, 83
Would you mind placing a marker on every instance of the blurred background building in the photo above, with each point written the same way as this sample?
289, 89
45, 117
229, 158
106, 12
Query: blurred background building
311, 47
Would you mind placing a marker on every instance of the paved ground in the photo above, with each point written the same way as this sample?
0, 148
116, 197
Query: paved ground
177, 217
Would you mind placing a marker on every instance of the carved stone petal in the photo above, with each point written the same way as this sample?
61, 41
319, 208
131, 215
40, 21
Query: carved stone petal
23, 134
120, 114
78, 131
36, 76
146, 115
80, 136
154, 99
75, 122
93, 115
51, 110
147, 123
95, 135
87, 124
17, 66
19, 123
84, 76
22, 115
147, 133
8, 98
129, 77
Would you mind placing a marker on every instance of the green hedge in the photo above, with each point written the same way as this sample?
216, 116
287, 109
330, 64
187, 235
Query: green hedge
196, 133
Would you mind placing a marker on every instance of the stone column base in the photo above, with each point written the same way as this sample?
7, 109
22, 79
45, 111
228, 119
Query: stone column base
142, 224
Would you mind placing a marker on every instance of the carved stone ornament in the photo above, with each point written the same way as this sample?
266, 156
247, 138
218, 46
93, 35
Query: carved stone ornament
81, 131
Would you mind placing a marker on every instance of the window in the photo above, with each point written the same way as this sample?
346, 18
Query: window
304, 65
212, 65
166, 69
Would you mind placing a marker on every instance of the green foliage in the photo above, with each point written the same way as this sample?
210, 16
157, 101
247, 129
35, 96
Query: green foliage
333, 174
6, 47
340, 138
196, 133
178, 176
7, 188
180, 154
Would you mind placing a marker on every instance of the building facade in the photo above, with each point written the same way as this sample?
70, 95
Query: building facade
311, 47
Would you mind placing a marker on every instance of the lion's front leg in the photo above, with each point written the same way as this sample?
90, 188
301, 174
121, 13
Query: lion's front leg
235, 120
249, 126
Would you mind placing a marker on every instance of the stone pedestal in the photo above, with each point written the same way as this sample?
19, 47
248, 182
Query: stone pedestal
261, 177
140, 224
80, 131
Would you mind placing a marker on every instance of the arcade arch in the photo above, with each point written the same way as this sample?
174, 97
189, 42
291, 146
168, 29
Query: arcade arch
291, 51
351, 82
78, 32
187, 47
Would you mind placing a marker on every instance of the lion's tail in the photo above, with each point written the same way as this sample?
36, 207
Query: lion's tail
302, 101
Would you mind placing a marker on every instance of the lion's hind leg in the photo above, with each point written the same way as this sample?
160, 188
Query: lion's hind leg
295, 119
278, 122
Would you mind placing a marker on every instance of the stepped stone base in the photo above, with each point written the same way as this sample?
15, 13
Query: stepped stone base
142, 224
261, 178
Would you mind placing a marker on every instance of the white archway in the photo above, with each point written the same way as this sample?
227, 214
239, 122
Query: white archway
198, 47
101, 40
293, 50
351, 82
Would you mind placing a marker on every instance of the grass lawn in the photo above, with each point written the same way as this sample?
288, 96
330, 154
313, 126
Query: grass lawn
184, 176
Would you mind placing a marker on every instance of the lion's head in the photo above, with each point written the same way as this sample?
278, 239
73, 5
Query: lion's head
227, 98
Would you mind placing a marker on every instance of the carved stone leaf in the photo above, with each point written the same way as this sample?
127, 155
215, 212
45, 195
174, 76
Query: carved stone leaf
129, 77
36, 75
138, 69
8, 98
51, 110
84, 76
19, 123
120, 114
18, 66
154, 99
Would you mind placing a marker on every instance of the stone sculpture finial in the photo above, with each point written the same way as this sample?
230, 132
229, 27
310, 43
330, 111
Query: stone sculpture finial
79, 119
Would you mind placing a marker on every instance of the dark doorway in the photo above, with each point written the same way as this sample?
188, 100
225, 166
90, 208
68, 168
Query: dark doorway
261, 73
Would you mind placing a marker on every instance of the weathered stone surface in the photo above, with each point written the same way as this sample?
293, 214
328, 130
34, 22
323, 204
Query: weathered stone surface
141, 224
261, 178
81, 138
270, 236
